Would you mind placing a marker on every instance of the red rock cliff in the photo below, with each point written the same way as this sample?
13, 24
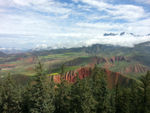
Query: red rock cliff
112, 77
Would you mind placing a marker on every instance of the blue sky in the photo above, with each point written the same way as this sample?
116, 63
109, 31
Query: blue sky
58, 23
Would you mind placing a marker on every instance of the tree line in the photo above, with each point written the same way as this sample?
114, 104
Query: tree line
89, 95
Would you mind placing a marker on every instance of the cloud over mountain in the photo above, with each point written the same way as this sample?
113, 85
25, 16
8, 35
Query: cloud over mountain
27, 23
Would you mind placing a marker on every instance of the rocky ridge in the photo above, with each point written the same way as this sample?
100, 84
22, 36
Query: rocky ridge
112, 77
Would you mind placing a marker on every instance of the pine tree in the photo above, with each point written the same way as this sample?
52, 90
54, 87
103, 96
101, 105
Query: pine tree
41, 95
117, 106
112, 101
100, 90
1, 95
134, 98
82, 100
62, 97
62, 94
10, 97
26, 95
122, 99
145, 92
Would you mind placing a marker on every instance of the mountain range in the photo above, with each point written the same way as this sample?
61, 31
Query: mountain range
120, 39
123, 34
131, 62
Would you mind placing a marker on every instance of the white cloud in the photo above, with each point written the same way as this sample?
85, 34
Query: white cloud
37, 5
101, 26
128, 41
2, 10
29, 2
127, 12
143, 1
60, 24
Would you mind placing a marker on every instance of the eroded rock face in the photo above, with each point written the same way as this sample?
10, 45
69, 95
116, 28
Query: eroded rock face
96, 60
137, 68
71, 75
113, 59
112, 77
110, 62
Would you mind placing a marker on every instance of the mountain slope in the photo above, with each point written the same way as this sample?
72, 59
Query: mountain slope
112, 77
3, 54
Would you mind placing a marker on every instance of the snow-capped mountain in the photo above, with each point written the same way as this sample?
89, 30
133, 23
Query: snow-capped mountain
116, 39
122, 34
110, 34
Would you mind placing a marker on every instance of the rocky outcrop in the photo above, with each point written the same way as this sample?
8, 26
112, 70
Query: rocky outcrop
71, 75
111, 59
137, 68
109, 62
112, 77
96, 60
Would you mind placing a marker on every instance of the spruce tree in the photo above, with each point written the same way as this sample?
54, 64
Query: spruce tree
134, 98
62, 94
122, 99
145, 92
112, 101
26, 95
41, 95
62, 97
82, 100
10, 97
0, 95
100, 90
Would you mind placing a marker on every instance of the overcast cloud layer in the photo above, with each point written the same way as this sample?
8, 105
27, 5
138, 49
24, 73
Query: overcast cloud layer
68, 23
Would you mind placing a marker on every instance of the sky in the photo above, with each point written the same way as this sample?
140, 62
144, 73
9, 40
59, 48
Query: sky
26, 24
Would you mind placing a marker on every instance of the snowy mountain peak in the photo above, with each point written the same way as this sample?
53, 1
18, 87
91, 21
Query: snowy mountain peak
122, 34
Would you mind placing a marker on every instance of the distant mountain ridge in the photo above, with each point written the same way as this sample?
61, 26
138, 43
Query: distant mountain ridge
107, 38
130, 60
2, 54
123, 34
12, 50
111, 36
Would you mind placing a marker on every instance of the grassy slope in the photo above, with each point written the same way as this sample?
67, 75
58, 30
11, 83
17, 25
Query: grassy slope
27, 68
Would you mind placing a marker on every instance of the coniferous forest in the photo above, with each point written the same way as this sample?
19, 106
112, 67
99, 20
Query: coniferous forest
88, 95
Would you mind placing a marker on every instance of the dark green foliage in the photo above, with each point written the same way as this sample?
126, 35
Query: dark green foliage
41, 93
26, 99
134, 98
88, 95
1, 93
82, 100
100, 91
144, 92
62, 97
10, 100
122, 100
